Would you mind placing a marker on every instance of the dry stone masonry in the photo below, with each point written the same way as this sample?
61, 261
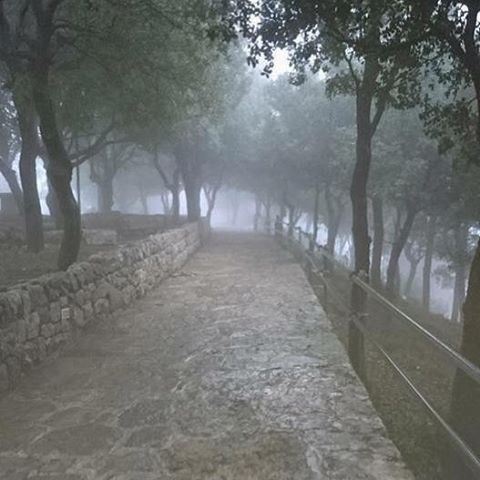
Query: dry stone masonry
229, 370
37, 317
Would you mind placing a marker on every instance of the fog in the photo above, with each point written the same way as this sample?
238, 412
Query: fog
342, 134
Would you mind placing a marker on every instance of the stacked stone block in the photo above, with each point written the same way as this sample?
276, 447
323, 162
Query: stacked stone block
39, 316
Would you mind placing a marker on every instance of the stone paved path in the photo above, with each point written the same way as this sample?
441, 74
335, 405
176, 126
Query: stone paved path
229, 370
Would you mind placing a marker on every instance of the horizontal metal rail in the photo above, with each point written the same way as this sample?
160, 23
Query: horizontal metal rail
462, 448
460, 361
456, 358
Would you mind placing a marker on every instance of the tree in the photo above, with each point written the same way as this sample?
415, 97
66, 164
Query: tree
9, 146
347, 38
103, 170
171, 181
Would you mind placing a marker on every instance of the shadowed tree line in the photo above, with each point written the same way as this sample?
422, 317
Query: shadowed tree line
105, 83
372, 139
397, 61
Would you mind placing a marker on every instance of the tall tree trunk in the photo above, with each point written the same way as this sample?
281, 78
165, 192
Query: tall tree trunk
59, 167
334, 213
167, 209
358, 193
258, 212
284, 200
397, 287
397, 249
411, 276
52, 204
12, 181
173, 186
291, 218
268, 214
235, 209
175, 189
144, 202
28, 174
360, 237
191, 182
105, 195
316, 213
176, 205
466, 392
212, 201
427, 264
308, 222
378, 239
461, 247
458, 292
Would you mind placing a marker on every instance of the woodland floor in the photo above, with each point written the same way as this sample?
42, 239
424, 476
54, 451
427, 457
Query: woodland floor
230, 370
18, 265
421, 442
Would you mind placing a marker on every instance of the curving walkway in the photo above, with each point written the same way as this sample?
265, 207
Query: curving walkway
229, 370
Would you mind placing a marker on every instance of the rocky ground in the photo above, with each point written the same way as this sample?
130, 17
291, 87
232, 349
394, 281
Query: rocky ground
229, 370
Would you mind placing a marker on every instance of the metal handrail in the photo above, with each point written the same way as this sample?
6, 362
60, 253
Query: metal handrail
460, 361
456, 358
454, 437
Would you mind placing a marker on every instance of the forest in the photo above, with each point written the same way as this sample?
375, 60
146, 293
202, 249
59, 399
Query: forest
358, 121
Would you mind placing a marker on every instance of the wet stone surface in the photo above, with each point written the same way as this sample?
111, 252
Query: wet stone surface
227, 371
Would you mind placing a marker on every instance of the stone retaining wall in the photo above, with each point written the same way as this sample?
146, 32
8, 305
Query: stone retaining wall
129, 226
39, 316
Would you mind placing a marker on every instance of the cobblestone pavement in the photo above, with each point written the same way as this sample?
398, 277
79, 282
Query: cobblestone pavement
229, 370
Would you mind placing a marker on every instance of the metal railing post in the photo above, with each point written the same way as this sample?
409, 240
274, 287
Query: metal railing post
359, 332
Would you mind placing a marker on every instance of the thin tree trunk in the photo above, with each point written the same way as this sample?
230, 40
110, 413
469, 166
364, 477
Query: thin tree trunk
411, 277
28, 173
291, 218
235, 209
316, 213
144, 202
397, 288
192, 193
334, 217
397, 249
12, 181
427, 264
461, 246
268, 214
458, 292
309, 223
144, 199
176, 205
378, 239
59, 168
105, 195
258, 209
173, 187
52, 204
167, 209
